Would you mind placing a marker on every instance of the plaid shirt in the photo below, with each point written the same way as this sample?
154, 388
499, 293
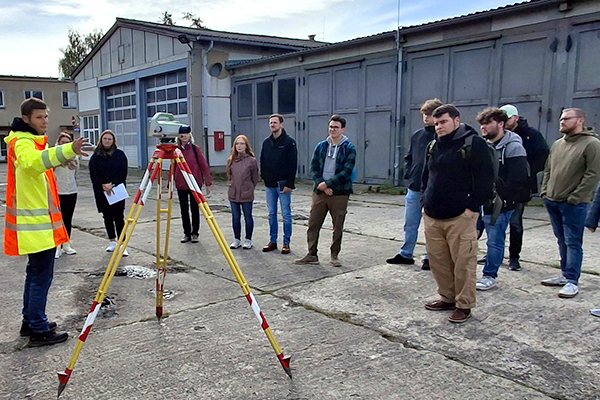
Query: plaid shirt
341, 182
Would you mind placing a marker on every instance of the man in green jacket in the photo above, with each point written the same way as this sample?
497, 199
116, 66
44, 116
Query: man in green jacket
570, 178
331, 168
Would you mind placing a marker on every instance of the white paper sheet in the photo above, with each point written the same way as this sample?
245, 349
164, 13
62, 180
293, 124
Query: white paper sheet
119, 193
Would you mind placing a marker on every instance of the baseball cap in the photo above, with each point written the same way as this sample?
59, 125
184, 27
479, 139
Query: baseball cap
510, 110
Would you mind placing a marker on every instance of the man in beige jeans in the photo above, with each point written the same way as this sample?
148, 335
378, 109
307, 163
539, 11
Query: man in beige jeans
457, 180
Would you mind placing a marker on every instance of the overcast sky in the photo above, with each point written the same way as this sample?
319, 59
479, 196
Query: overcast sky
33, 31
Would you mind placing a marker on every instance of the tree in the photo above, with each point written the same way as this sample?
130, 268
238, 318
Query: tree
79, 47
167, 19
195, 21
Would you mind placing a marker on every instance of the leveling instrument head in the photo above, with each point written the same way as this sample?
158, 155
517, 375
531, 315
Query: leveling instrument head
164, 126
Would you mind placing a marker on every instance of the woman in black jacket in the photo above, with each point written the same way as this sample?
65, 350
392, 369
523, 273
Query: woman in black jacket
108, 168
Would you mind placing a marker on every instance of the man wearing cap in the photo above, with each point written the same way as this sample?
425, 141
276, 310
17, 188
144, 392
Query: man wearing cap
537, 152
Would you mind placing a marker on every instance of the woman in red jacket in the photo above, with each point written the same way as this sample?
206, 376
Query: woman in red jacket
242, 175
201, 171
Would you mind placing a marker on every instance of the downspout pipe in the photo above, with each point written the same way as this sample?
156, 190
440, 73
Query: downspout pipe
205, 79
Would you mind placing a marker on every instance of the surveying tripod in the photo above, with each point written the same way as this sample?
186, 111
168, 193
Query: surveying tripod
166, 151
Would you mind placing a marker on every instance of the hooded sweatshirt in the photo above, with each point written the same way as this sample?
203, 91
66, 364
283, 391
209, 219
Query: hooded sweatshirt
333, 164
537, 150
453, 183
513, 172
573, 168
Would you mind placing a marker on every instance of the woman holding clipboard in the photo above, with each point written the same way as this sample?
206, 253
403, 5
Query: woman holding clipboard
108, 170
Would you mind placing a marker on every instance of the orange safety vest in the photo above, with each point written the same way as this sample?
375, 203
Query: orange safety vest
33, 221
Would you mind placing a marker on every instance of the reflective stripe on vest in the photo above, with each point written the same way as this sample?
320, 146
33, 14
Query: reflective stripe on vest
20, 222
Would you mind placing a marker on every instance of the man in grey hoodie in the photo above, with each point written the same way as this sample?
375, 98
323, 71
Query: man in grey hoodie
511, 185
570, 178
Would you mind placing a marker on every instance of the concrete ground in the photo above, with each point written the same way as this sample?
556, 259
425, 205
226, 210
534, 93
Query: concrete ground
355, 332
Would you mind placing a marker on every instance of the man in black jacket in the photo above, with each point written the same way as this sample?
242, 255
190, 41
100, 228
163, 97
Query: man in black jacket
537, 152
415, 160
278, 163
457, 180
511, 185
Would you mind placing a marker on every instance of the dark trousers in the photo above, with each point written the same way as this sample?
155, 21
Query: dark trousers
40, 270
187, 202
337, 207
516, 232
236, 219
114, 219
67, 208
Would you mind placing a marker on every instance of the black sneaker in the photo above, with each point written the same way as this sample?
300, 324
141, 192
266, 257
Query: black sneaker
186, 239
482, 260
425, 266
46, 338
26, 330
398, 259
514, 265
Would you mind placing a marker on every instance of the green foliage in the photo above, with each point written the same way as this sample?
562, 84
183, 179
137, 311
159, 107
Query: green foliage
79, 47
195, 22
167, 19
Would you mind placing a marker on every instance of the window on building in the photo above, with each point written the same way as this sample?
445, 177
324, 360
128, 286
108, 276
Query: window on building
245, 100
167, 93
120, 102
2, 105
69, 100
34, 93
91, 129
286, 96
264, 98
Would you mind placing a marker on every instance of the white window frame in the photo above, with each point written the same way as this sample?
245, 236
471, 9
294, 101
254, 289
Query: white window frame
30, 92
71, 99
90, 128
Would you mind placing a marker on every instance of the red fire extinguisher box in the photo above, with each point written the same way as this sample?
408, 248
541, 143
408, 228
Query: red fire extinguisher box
219, 140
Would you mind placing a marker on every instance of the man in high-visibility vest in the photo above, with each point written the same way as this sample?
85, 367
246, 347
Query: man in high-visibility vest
34, 225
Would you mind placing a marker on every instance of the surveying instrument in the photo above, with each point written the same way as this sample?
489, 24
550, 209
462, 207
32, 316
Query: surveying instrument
164, 127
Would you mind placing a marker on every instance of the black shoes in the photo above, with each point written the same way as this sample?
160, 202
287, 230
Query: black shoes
514, 265
26, 330
46, 338
186, 239
398, 259
425, 266
482, 260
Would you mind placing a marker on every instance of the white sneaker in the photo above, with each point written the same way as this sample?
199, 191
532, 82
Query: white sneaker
247, 244
236, 244
568, 291
67, 249
595, 312
556, 281
125, 253
58, 252
485, 283
112, 246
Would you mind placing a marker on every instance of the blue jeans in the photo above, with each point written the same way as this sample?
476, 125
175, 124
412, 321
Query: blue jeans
236, 219
412, 220
285, 199
496, 238
567, 224
40, 270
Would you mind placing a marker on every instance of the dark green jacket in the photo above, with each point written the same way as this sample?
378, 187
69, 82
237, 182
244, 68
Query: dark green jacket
345, 158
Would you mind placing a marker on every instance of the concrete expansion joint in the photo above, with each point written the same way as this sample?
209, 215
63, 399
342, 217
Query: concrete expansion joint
501, 376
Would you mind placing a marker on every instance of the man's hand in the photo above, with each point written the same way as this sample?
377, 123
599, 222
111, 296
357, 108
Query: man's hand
287, 189
592, 229
322, 186
470, 213
78, 144
329, 192
108, 188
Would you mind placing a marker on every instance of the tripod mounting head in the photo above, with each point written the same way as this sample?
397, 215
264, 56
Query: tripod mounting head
166, 128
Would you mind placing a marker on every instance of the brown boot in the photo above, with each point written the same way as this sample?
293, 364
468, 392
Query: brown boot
270, 247
460, 315
439, 305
